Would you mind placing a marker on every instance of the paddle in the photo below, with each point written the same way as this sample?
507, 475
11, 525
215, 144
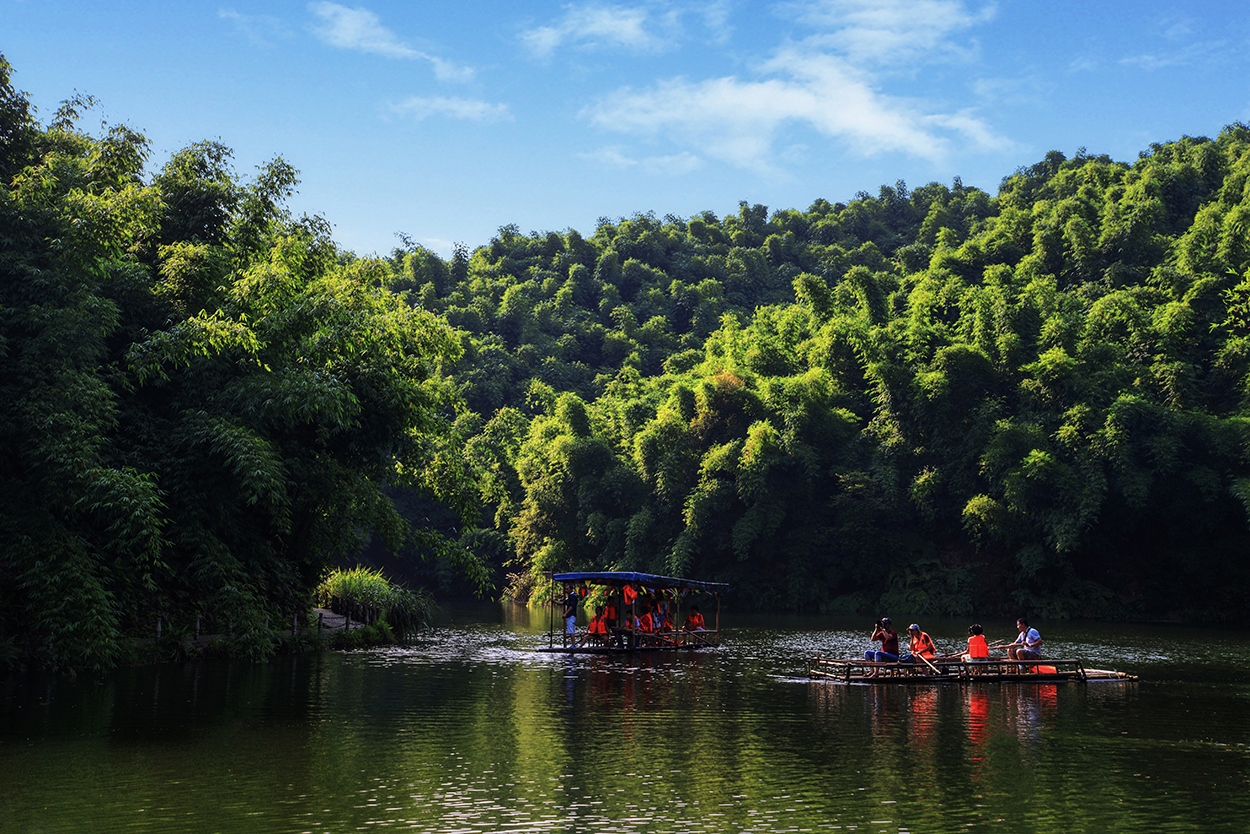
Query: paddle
926, 660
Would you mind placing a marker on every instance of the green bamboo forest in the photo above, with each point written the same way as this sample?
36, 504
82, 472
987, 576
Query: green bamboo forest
933, 400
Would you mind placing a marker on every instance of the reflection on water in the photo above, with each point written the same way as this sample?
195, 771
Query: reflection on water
470, 730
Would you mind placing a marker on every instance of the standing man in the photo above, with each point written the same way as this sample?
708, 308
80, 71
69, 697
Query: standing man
570, 611
1028, 646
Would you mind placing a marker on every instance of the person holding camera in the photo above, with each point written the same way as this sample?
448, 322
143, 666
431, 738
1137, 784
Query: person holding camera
884, 633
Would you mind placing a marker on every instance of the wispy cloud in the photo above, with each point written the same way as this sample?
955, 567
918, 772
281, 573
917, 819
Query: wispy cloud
715, 16
361, 30
1182, 45
1029, 89
883, 32
829, 82
596, 25
472, 110
673, 164
260, 29
1198, 53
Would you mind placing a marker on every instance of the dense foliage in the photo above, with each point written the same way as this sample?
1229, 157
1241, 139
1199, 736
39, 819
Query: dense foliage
934, 400
202, 401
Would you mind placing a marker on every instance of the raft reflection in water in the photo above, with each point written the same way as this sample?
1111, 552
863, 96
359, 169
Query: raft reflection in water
922, 717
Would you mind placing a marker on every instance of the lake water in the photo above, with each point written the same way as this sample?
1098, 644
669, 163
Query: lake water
469, 730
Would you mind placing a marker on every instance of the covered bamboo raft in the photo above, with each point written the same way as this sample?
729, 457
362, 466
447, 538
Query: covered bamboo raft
844, 670
623, 591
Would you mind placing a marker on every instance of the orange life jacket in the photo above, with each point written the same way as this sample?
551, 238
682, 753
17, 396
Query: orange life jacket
629, 593
978, 649
597, 626
694, 621
923, 646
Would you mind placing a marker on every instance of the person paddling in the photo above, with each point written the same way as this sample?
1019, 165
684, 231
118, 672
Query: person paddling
920, 644
1028, 646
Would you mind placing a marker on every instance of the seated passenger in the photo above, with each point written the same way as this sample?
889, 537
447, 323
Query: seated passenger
694, 620
597, 630
978, 649
643, 620
1028, 646
884, 633
920, 644
660, 619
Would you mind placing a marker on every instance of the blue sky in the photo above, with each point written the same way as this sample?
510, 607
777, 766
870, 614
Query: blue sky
447, 120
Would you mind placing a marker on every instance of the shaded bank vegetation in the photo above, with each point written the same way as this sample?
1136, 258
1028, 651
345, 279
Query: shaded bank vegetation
933, 400
204, 400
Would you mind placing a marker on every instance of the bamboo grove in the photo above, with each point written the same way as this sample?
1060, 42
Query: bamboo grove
933, 400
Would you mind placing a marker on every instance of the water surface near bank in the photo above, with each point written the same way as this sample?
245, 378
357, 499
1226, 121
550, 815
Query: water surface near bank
470, 730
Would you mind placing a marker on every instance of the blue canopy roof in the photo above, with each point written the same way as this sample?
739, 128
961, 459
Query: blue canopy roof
650, 580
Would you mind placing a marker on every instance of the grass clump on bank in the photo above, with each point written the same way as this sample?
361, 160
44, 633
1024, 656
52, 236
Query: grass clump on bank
365, 595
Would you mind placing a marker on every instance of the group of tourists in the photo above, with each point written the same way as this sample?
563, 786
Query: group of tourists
921, 649
639, 613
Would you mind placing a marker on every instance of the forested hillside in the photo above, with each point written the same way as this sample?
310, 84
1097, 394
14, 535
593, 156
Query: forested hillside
930, 401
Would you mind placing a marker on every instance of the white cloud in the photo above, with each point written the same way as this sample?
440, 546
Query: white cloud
1084, 63
889, 31
829, 82
716, 18
737, 121
361, 30
1194, 54
471, 110
258, 29
671, 165
597, 25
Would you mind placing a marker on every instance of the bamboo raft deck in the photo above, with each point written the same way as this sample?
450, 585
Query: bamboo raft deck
627, 642
995, 670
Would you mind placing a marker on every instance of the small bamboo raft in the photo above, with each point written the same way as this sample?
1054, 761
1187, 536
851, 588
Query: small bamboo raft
995, 670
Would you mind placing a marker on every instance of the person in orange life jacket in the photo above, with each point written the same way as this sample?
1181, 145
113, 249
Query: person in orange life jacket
978, 649
694, 620
920, 644
597, 630
643, 621
884, 633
